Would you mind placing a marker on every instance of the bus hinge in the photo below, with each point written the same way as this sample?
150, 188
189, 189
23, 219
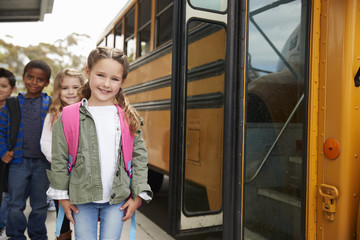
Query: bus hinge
329, 194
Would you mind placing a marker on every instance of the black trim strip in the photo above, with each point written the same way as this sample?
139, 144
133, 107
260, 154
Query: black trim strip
211, 100
152, 56
203, 101
205, 71
153, 105
149, 86
206, 29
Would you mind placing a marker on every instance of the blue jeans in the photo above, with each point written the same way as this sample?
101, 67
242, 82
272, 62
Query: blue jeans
86, 221
28, 179
4, 209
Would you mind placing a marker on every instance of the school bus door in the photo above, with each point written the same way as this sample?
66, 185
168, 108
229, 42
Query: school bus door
198, 117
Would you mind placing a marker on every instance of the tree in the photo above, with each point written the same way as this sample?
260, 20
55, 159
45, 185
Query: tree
62, 54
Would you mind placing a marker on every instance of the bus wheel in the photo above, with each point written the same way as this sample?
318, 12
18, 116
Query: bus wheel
155, 180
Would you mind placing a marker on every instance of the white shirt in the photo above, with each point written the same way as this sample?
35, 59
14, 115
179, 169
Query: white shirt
108, 132
46, 138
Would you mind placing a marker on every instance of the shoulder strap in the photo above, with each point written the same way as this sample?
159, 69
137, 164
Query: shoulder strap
13, 106
70, 121
127, 141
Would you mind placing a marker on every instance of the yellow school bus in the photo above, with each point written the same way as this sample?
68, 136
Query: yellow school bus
251, 107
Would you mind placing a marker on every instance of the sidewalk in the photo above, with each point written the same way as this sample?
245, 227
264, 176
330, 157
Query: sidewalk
145, 228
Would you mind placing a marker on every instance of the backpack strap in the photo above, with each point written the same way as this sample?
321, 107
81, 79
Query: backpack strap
12, 103
71, 131
127, 141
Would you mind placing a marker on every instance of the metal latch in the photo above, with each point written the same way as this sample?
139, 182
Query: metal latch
329, 194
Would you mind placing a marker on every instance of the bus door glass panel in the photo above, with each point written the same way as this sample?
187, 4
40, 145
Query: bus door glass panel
144, 27
164, 22
204, 118
215, 5
119, 37
129, 35
273, 192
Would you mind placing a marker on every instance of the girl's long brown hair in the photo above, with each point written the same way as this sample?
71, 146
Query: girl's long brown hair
132, 116
57, 104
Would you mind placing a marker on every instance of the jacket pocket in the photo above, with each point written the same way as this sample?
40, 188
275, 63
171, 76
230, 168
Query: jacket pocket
78, 174
121, 184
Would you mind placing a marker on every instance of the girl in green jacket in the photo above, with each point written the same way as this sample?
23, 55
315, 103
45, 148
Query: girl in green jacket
98, 186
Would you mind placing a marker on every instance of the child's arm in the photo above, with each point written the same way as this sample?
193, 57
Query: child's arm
5, 155
46, 138
130, 205
58, 176
140, 169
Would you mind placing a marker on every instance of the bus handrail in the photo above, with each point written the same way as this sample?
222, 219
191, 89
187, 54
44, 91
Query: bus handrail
276, 140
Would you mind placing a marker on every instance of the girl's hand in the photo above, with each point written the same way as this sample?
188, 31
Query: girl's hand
68, 209
131, 205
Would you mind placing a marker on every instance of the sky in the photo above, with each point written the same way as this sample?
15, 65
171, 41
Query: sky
89, 17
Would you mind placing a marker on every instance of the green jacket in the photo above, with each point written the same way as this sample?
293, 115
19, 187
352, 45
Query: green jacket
84, 183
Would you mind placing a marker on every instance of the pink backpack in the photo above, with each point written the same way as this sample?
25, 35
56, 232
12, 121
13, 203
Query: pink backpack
71, 131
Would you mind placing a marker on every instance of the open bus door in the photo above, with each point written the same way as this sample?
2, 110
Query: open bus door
197, 117
239, 120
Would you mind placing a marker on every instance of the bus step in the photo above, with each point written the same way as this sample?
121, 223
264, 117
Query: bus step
280, 196
295, 159
250, 235
294, 181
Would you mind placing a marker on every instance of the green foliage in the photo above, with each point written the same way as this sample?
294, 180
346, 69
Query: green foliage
60, 55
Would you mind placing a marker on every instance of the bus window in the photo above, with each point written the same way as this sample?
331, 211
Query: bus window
119, 37
216, 5
144, 27
164, 20
129, 35
110, 40
274, 197
204, 117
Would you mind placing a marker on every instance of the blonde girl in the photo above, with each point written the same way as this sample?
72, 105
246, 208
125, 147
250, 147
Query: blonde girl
99, 186
66, 84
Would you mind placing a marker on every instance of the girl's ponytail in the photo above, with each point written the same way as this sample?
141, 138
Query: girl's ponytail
132, 116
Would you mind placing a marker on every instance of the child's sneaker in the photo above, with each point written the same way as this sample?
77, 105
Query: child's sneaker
2, 234
51, 206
